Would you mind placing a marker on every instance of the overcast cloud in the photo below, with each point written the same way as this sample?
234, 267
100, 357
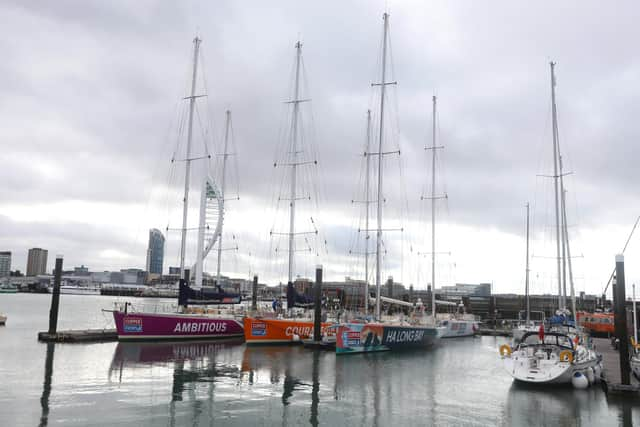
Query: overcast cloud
91, 95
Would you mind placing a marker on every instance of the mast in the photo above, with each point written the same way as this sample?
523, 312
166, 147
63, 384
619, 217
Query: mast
222, 190
433, 198
383, 84
554, 118
635, 320
526, 274
185, 208
566, 238
433, 212
366, 221
294, 163
563, 225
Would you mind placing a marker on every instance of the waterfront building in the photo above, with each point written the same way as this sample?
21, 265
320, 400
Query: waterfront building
81, 271
5, 263
100, 276
465, 290
132, 276
37, 261
155, 251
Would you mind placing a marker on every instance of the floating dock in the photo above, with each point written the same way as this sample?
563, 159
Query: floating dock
500, 332
80, 335
611, 381
319, 345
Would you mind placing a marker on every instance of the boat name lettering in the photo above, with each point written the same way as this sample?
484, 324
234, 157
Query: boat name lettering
302, 331
200, 327
398, 336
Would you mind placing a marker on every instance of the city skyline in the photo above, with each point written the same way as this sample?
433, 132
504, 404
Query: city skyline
95, 179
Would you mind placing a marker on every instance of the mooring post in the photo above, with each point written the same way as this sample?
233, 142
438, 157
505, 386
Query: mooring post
184, 291
254, 294
317, 296
291, 298
55, 298
620, 317
635, 318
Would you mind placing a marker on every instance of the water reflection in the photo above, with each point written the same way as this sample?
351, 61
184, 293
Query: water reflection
297, 368
624, 407
46, 386
389, 387
132, 353
213, 383
193, 362
194, 366
555, 405
253, 377
315, 390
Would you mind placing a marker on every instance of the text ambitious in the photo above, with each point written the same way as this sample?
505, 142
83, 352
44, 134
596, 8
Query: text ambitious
200, 327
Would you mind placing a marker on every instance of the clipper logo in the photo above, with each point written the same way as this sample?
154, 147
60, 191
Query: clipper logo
132, 324
259, 329
352, 338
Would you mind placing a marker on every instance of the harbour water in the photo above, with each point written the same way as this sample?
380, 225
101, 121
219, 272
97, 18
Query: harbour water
461, 382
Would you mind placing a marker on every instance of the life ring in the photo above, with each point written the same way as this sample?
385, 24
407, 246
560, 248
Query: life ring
566, 356
505, 348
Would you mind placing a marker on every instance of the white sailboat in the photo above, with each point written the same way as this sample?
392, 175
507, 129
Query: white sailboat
561, 354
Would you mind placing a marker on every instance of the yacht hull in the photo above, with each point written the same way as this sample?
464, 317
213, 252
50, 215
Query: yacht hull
278, 331
175, 326
459, 328
635, 366
521, 370
372, 337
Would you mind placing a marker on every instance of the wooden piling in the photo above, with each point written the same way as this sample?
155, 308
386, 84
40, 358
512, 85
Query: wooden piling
254, 294
620, 318
55, 297
317, 315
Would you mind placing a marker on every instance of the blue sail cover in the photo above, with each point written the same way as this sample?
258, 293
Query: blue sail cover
560, 319
190, 296
294, 299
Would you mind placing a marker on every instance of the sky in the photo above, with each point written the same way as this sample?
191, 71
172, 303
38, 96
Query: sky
92, 111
